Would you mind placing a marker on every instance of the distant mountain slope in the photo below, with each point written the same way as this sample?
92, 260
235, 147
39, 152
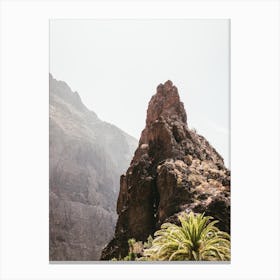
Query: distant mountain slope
86, 158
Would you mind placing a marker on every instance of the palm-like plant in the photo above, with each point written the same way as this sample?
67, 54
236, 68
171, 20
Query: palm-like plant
196, 239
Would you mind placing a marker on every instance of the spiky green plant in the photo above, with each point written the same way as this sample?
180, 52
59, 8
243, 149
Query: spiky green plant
197, 239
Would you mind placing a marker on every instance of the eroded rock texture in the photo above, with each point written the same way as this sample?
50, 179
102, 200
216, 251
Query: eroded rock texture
173, 170
87, 157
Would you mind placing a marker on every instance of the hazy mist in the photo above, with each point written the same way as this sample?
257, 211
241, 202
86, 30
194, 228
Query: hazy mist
116, 65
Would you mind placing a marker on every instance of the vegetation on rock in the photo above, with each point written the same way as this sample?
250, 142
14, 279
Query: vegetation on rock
174, 170
196, 239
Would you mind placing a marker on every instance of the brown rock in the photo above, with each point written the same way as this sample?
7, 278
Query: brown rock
173, 170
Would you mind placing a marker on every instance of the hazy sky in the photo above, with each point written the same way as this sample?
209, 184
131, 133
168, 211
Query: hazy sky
116, 65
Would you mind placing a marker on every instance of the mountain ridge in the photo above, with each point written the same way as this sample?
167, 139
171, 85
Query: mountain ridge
87, 157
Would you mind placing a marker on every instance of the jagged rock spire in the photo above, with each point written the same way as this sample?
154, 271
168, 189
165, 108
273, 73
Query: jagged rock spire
170, 167
166, 104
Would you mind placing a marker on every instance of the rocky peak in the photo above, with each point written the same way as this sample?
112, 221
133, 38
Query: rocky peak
166, 104
166, 124
60, 89
166, 134
174, 169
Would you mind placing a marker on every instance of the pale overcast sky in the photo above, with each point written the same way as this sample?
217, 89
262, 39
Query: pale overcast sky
116, 65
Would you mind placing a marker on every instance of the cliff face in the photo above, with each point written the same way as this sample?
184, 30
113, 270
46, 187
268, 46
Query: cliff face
87, 157
173, 170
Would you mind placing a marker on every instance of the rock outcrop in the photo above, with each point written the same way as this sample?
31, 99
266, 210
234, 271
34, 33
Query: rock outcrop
173, 170
87, 157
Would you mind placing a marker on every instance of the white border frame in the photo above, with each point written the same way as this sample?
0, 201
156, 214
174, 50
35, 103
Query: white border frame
254, 145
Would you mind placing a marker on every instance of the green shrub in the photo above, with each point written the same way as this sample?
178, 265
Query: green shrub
135, 250
197, 239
